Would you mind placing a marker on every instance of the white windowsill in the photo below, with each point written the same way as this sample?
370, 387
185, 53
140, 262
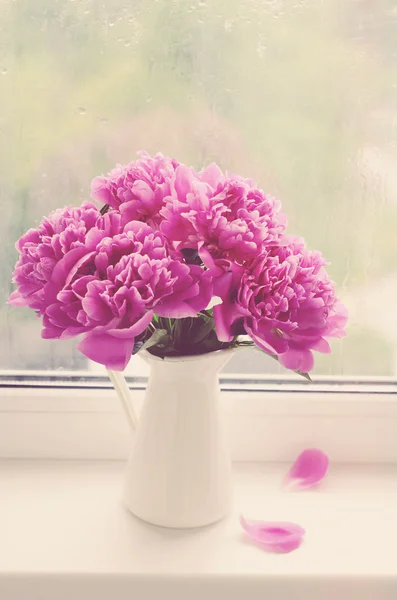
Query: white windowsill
270, 426
65, 534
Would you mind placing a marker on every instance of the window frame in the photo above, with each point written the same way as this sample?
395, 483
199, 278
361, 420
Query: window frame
270, 419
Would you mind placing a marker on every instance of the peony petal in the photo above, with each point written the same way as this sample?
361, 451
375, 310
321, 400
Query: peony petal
66, 268
297, 360
208, 260
143, 191
179, 311
212, 175
308, 470
277, 537
228, 312
201, 300
273, 345
105, 349
113, 347
322, 346
137, 328
215, 300
183, 183
100, 191
16, 299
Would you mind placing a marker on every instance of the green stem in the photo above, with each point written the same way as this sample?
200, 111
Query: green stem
169, 324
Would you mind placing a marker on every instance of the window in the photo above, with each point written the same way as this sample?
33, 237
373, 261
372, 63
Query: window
300, 96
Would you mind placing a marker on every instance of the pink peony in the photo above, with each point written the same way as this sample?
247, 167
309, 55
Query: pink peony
132, 277
86, 274
226, 215
172, 239
50, 255
135, 277
138, 189
286, 303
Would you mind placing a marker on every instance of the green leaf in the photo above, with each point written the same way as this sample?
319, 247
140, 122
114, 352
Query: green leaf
137, 347
305, 375
206, 314
191, 256
177, 333
159, 337
163, 351
202, 332
210, 344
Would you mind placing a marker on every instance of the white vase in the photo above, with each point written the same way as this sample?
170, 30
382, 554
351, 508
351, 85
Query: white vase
179, 471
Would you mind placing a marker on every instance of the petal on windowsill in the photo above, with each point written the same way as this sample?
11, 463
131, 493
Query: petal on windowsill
308, 470
278, 537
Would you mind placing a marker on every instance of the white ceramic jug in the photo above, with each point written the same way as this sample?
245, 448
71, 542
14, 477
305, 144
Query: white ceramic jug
179, 471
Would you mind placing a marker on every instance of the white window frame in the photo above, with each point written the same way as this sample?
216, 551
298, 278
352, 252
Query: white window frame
75, 416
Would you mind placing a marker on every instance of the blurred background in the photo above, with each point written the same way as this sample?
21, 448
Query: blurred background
301, 96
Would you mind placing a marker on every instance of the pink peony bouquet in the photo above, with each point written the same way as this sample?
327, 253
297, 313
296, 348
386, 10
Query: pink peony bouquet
178, 262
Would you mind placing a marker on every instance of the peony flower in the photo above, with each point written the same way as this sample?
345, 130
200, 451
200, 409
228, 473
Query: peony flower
85, 273
133, 276
286, 303
138, 189
226, 215
170, 240
51, 254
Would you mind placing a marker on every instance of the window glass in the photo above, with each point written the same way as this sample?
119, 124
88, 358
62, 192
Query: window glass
299, 95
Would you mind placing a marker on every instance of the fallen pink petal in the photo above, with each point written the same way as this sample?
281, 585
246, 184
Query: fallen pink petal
308, 470
278, 537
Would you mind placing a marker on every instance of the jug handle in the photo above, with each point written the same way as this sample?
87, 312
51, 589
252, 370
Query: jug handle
123, 391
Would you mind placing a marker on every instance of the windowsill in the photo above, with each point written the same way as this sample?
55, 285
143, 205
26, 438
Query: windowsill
65, 534
355, 426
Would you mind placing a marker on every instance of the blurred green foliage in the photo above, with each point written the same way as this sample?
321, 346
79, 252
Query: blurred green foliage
292, 94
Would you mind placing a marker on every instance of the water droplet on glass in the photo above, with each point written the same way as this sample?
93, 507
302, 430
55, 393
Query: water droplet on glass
228, 25
120, 40
149, 99
127, 43
4, 71
261, 49
201, 2
82, 110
